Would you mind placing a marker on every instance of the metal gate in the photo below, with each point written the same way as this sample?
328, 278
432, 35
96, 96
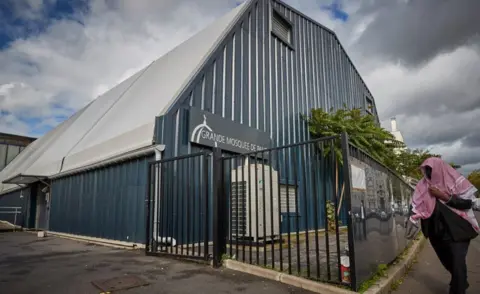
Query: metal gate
286, 209
291, 208
179, 216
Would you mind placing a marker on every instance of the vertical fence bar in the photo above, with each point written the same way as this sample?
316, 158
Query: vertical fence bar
230, 203
315, 207
297, 212
155, 204
348, 203
190, 204
271, 209
337, 233
264, 213
279, 200
237, 205
206, 183
199, 192
325, 204
169, 217
246, 192
176, 204
181, 208
148, 196
285, 164
218, 209
257, 253
224, 196
156, 213
303, 164
162, 206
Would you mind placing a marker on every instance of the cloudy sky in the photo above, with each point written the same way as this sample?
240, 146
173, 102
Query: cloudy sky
420, 58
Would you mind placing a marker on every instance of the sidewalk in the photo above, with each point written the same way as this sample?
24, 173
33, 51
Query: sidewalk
429, 277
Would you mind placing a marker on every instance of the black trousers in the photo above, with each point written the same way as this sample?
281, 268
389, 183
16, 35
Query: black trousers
453, 256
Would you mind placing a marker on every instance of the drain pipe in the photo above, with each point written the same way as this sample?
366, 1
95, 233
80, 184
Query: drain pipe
158, 239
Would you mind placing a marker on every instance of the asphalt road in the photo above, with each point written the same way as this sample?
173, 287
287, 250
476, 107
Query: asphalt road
54, 265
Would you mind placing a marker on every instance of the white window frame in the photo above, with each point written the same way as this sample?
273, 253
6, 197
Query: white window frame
275, 13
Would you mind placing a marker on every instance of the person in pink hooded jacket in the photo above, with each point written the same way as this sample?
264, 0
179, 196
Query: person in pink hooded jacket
444, 201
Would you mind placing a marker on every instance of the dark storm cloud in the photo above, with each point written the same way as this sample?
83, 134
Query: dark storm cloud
427, 131
430, 53
465, 157
473, 140
414, 32
438, 101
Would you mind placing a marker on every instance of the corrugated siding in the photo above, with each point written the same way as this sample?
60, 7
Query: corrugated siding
105, 203
257, 80
13, 200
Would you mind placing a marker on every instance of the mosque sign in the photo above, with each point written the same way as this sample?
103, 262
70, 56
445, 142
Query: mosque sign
215, 131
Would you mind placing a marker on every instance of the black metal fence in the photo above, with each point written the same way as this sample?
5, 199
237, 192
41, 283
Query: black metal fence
304, 209
284, 207
179, 207
379, 207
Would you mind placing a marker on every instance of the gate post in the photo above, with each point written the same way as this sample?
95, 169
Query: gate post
219, 219
348, 202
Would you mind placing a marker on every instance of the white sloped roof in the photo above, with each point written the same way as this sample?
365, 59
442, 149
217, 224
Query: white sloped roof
123, 118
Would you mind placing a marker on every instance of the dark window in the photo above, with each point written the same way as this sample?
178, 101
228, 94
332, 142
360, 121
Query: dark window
3, 156
281, 27
12, 152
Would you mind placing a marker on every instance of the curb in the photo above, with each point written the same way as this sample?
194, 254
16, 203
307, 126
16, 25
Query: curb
284, 278
383, 286
97, 241
397, 271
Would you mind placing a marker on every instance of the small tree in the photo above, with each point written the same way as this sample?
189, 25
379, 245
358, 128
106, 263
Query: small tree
409, 161
363, 131
474, 178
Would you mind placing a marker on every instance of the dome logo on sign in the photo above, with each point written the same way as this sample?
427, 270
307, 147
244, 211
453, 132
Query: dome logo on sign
198, 130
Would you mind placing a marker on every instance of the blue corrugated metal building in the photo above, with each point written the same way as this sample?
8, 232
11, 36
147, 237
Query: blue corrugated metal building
260, 67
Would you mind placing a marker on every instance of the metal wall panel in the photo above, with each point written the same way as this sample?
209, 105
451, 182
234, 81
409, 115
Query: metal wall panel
105, 203
14, 199
256, 79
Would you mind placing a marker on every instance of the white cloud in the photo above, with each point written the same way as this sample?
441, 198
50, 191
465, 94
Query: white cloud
397, 87
74, 61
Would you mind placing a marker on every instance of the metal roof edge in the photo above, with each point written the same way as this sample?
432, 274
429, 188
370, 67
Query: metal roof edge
11, 190
111, 161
